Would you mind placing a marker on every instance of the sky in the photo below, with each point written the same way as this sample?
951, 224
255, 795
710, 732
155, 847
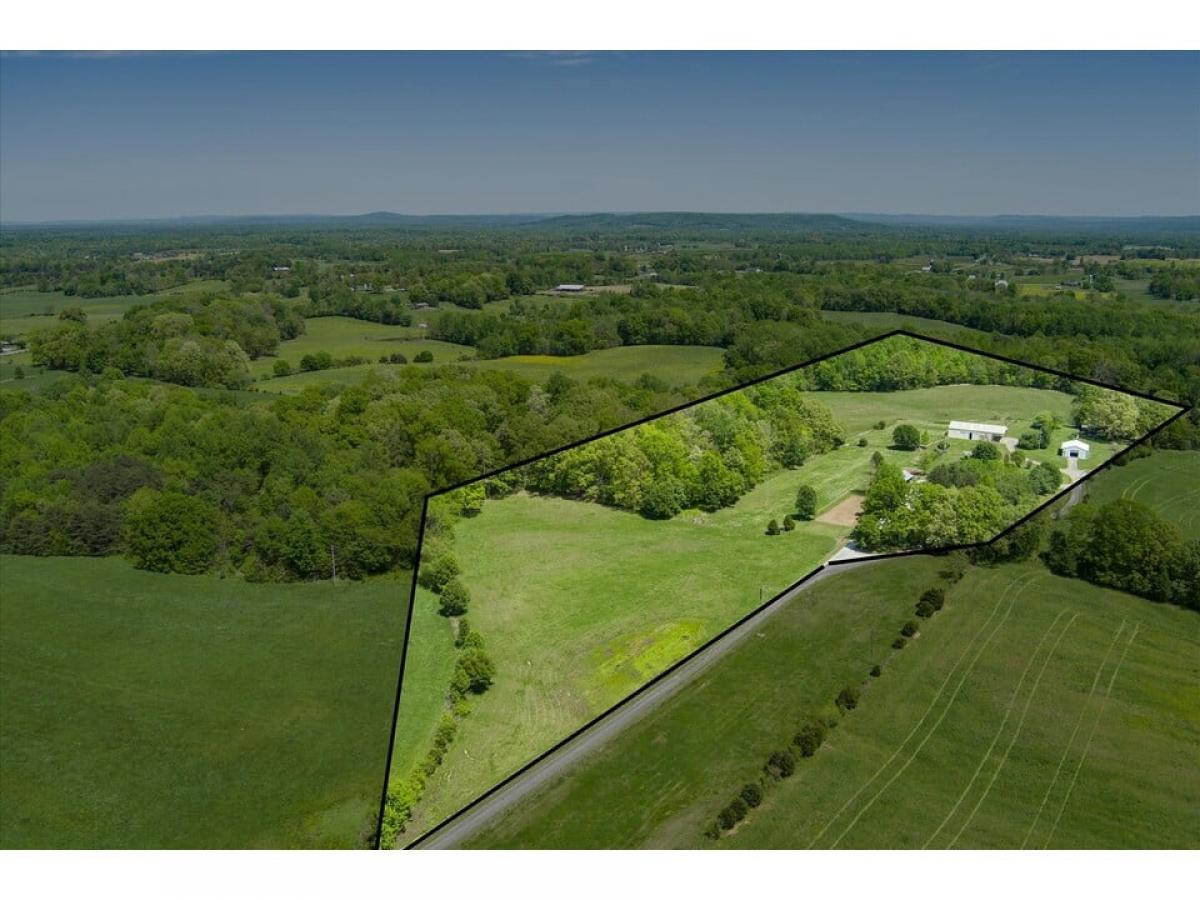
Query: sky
117, 136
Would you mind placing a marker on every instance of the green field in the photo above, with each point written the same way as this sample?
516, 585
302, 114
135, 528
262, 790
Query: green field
571, 633
341, 336
144, 710
887, 321
560, 590
1168, 481
1032, 711
674, 365
23, 310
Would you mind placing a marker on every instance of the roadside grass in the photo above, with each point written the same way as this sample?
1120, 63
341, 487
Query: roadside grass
1168, 481
1012, 720
143, 710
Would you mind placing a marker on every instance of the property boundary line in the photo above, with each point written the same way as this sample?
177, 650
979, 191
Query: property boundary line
1181, 410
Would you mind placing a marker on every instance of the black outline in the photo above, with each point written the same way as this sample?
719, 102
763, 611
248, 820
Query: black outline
1182, 409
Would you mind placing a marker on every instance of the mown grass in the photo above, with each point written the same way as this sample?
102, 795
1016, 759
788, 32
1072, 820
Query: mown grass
1168, 481
995, 728
887, 321
580, 604
141, 710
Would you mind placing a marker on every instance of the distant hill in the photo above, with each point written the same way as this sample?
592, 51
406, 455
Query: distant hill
1075, 224
700, 222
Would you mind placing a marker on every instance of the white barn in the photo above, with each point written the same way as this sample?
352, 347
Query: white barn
1075, 449
976, 431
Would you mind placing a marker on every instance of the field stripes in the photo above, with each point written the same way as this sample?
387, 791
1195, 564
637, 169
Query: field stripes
1016, 734
1070, 741
1012, 703
1007, 600
1088, 746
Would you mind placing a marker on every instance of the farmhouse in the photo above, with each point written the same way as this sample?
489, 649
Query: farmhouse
976, 431
1075, 449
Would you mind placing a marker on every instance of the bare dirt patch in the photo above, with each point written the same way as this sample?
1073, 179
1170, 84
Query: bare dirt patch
844, 512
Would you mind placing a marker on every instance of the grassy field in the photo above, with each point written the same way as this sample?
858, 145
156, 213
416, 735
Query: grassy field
560, 588
1032, 711
571, 633
341, 336
1168, 481
886, 321
23, 310
143, 710
674, 365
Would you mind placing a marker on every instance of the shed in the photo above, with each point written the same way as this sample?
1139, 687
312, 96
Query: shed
1075, 449
976, 431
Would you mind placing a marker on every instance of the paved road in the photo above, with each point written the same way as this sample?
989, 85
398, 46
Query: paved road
470, 823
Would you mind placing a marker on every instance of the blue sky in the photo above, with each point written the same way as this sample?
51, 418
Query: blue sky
146, 135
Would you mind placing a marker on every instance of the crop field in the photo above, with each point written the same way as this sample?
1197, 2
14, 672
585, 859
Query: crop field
674, 365
1168, 481
145, 710
1009, 721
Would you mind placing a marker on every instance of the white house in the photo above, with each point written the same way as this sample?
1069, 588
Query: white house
1075, 449
976, 431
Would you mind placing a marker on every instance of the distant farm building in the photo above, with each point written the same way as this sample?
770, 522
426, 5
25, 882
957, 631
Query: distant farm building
1075, 449
281, 268
976, 431
569, 288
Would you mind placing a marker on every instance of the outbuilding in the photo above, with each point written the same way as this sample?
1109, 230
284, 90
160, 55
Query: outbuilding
976, 431
569, 288
1075, 449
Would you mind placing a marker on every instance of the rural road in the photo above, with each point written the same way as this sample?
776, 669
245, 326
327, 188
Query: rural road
486, 811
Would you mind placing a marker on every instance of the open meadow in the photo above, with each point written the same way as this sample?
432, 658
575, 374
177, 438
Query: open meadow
1168, 481
23, 310
1010, 721
581, 604
143, 710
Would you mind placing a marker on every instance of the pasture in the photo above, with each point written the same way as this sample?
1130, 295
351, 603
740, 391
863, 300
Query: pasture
674, 365
144, 710
1032, 711
341, 336
580, 604
887, 321
23, 310
1168, 481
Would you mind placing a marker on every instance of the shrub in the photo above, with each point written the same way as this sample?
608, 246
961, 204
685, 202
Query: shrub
847, 698
810, 737
281, 368
732, 814
806, 501
789, 524
862, 442
935, 597
752, 795
424, 356
986, 450
877, 459
772, 527
909, 629
781, 764
880, 425
876, 670
1030, 440
454, 599
400, 359
906, 437
462, 632
925, 609
899, 643
435, 573
473, 672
